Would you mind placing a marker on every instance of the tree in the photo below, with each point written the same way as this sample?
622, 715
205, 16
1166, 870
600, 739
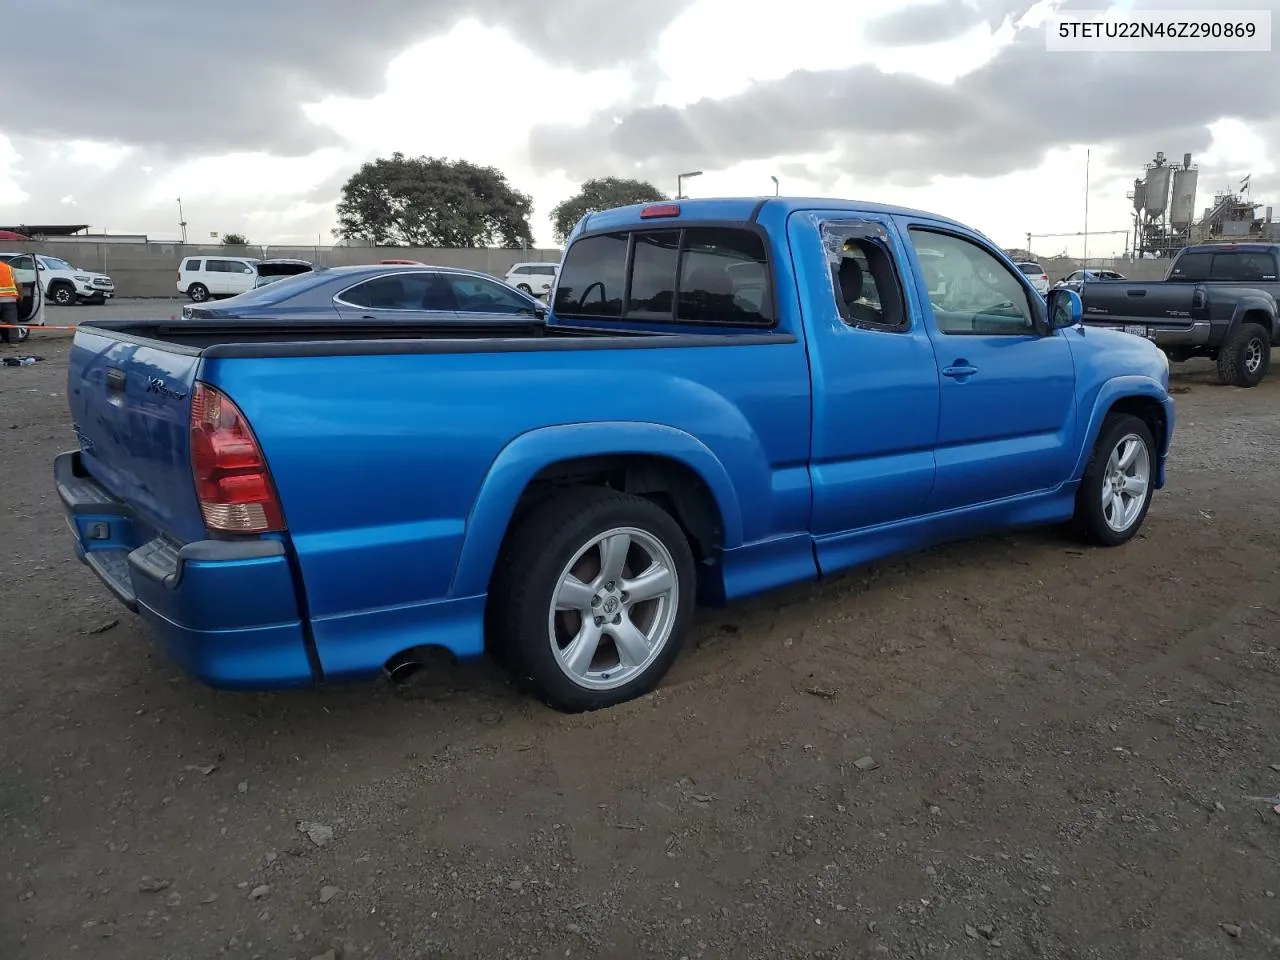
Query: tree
432, 202
234, 240
602, 193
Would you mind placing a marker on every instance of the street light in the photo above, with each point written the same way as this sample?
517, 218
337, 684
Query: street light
680, 179
775, 184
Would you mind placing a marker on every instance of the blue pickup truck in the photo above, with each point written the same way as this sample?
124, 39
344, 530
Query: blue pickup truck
726, 396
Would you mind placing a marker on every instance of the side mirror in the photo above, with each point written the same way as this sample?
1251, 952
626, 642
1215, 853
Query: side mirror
1065, 308
540, 311
39, 265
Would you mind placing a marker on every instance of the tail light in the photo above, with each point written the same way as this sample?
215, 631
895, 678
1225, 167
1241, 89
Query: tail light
232, 482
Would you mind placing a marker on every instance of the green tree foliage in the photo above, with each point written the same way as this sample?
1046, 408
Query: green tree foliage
433, 202
234, 240
602, 193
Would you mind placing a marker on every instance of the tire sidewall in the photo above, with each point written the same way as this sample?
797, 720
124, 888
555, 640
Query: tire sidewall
63, 295
534, 655
1090, 498
193, 292
1245, 378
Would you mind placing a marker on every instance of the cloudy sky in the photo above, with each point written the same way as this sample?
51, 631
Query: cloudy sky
255, 115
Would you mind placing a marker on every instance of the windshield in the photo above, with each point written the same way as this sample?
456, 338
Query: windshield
53, 263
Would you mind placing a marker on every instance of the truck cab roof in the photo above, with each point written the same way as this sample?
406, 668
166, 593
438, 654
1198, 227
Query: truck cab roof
744, 209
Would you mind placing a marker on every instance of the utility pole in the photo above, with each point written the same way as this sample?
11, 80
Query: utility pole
1084, 260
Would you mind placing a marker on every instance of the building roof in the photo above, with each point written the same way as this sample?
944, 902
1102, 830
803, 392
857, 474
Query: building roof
47, 229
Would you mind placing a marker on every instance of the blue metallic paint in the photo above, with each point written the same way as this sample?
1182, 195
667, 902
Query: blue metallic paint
399, 473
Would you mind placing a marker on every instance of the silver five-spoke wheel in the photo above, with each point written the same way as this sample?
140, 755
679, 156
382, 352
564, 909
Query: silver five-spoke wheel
615, 608
1125, 482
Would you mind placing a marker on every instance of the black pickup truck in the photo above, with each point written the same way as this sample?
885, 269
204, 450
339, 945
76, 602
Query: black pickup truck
1218, 301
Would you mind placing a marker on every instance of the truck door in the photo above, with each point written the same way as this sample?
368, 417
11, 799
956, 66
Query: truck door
875, 383
31, 306
1008, 413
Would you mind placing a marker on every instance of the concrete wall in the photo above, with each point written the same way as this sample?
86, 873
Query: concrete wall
150, 270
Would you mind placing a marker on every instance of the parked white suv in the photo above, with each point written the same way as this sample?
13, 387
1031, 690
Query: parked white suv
533, 278
1036, 274
203, 278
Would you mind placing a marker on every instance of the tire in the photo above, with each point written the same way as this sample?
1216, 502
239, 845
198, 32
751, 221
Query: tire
1094, 502
1243, 361
524, 288
534, 639
198, 292
63, 294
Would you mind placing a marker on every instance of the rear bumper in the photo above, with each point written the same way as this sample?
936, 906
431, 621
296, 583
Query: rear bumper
225, 610
1195, 334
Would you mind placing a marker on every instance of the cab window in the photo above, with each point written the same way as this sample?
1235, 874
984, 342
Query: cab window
977, 293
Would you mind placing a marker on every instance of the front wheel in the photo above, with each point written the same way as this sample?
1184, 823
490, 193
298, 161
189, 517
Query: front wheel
1245, 358
1115, 492
592, 598
63, 295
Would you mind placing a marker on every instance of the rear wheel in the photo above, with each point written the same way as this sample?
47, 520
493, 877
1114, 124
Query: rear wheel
592, 598
524, 288
1244, 359
1115, 492
198, 292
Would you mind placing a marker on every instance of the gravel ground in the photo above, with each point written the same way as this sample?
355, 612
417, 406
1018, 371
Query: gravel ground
1014, 747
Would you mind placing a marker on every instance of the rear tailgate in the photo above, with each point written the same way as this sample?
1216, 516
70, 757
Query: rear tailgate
131, 410
1141, 308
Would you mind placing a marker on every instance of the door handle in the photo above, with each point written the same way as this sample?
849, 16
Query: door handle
959, 369
1136, 293
115, 381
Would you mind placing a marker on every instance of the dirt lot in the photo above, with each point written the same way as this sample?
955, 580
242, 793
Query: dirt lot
1067, 746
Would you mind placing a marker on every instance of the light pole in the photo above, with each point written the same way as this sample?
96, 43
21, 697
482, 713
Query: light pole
775, 184
182, 222
680, 179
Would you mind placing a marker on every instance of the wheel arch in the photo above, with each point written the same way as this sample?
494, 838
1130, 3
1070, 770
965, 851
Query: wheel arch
662, 463
1144, 399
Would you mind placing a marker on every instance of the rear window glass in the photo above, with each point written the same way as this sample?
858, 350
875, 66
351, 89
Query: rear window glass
653, 274
699, 275
1031, 269
193, 265
1243, 267
1191, 266
593, 278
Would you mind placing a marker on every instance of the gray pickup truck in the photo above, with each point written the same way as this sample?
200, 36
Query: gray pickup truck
1218, 301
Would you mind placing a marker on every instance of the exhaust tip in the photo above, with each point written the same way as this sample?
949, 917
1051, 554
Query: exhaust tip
412, 667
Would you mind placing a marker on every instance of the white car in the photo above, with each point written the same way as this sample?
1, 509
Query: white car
1036, 274
65, 285
31, 306
204, 278
533, 278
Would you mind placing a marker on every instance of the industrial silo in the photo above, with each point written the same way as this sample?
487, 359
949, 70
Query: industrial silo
1139, 195
1157, 192
1183, 204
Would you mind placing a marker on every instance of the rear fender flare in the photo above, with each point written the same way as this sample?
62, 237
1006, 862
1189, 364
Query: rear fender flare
522, 459
1123, 388
1250, 304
